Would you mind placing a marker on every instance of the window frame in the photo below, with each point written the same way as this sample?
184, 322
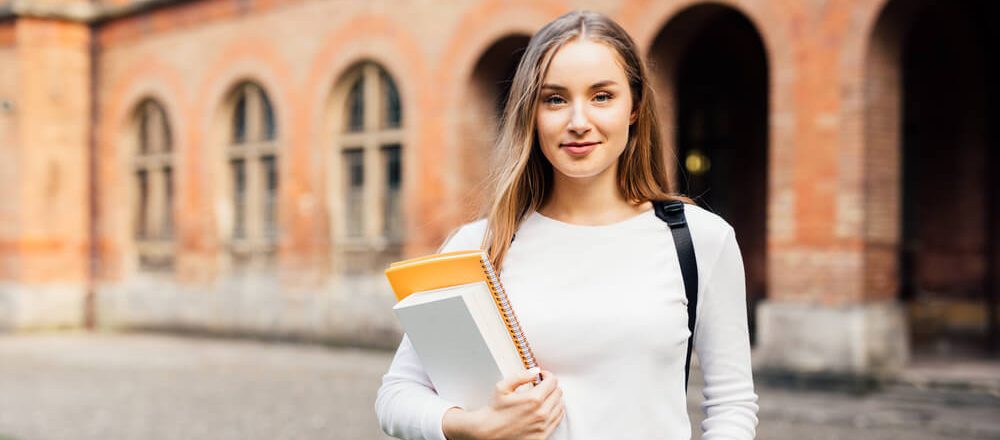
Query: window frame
377, 132
259, 144
152, 212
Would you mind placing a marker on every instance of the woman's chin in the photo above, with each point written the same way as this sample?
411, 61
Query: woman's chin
581, 173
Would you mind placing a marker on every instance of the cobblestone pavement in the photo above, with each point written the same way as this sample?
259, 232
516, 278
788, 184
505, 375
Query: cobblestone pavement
148, 386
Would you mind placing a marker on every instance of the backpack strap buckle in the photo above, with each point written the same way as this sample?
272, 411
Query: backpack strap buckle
671, 212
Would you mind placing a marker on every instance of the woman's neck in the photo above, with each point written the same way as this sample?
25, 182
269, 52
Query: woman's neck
589, 201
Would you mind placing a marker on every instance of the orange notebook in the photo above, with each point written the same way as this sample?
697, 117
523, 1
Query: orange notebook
449, 269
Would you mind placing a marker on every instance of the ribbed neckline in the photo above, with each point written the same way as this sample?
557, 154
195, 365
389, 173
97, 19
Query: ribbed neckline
621, 223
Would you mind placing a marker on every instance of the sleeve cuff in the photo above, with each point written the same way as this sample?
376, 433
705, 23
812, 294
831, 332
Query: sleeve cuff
433, 415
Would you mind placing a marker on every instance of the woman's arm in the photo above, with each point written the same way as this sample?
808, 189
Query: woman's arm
407, 406
722, 342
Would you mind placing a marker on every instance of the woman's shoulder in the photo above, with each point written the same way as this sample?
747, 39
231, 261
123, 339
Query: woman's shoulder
708, 229
705, 219
466, 236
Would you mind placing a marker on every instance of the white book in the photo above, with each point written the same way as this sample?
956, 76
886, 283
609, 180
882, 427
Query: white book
462, 341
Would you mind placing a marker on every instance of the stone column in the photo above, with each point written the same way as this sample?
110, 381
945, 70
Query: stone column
832, 307
46, 214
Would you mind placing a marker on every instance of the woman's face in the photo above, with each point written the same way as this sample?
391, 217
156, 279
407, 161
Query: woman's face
584, 110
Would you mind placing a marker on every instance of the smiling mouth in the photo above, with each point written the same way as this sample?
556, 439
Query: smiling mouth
579, 149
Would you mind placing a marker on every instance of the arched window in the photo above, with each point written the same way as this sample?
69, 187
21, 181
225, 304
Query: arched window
152, 168
369, 148
252, 157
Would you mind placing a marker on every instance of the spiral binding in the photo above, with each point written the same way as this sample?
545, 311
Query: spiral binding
513, 326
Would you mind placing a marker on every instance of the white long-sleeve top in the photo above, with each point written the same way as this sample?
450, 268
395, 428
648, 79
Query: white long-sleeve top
604, 309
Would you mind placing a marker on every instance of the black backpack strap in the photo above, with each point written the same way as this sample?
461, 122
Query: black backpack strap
672, 212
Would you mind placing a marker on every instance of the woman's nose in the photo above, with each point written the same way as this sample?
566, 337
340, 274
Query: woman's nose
578, 123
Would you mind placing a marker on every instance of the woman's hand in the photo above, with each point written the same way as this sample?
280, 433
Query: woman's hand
531, 414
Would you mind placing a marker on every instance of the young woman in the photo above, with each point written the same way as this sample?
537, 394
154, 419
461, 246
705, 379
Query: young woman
592, 273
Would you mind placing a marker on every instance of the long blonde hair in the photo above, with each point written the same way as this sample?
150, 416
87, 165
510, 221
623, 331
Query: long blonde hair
522, 181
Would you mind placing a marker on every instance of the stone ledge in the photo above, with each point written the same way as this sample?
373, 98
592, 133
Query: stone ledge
856, 341
41, 307
347, 312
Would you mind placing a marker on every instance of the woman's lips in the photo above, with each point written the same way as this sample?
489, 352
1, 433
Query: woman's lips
579, 148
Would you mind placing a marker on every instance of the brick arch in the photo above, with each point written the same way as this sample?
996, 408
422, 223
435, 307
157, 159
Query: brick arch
393, 49
855, 51
412, 97
388, 45
282, 108
742, 173
921, 137
856, 46
257, 61
664, 62
872, 65
478, 30
476, 123
486, 24
149, 79
866, 59
646, 20
877, 71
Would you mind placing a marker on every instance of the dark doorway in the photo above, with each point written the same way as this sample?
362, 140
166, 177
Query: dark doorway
721, 93
480, 112
950, 226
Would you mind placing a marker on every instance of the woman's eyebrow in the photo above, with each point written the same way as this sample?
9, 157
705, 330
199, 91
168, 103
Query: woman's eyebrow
596, 85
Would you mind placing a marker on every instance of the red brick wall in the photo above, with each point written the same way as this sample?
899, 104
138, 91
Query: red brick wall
53, 125
151, 54
436, 53
10, 203
832, 211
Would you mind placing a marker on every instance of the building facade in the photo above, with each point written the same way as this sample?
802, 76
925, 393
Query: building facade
250, 166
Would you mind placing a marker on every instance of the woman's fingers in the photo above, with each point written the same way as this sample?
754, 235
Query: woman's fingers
521, 414
553, 423
554, 398
509, 384
549, 383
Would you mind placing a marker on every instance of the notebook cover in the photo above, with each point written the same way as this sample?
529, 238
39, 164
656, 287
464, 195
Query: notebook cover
443, 331
449, 269
435, 271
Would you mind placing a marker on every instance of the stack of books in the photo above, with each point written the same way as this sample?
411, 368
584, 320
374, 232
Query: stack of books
461, 324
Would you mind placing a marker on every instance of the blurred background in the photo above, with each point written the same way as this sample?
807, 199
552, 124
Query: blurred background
200, 197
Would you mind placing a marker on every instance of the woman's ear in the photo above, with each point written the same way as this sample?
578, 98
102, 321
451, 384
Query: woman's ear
633, 117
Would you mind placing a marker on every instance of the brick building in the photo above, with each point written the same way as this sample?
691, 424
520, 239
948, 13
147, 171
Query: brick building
249, 166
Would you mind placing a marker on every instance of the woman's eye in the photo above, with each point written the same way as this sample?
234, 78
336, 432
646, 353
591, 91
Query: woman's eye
603, 97
554, 100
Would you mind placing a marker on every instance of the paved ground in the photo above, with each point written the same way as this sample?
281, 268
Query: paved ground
147, 386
